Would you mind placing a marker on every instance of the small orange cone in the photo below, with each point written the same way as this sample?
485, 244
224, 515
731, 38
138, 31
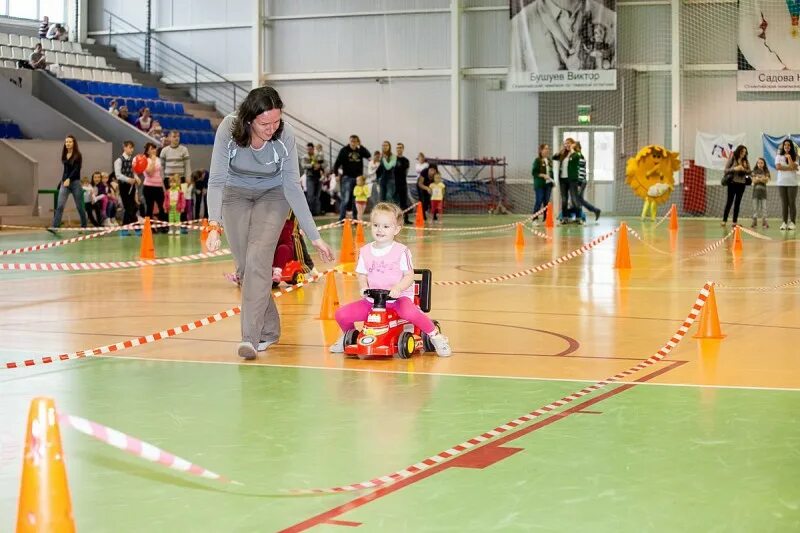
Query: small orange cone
519, 242
709, 327
673, 218
737, 238
623, 259
147, 249
419, 221
549, 222
330, 299
360, 240
204, 235
347, 253
44, 501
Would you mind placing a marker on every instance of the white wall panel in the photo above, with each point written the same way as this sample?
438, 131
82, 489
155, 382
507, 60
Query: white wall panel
359, 43
317, 7
415, 112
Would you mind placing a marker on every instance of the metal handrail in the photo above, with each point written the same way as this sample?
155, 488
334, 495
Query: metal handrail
196, 73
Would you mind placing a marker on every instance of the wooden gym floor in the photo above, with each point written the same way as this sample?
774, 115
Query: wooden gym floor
706, 439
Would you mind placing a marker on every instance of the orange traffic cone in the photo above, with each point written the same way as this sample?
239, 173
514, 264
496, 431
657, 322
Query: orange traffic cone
519, 242
147, 249
737, 239
347, 253
204, 235
360, 240
419, 221
548, 219
673, 218
623, 259
330, 299
44, 501
709, 327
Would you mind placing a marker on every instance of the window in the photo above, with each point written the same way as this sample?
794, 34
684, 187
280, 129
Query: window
55, 9
24, 9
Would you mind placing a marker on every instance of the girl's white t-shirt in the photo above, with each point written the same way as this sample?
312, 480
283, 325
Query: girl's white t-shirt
787, 178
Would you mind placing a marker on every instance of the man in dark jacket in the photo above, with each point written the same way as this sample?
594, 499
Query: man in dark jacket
351, 162
400, 180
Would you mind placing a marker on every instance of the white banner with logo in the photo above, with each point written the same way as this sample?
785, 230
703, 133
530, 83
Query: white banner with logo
563, 46
712, 150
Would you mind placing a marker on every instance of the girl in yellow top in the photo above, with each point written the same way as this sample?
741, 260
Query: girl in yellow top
361, 194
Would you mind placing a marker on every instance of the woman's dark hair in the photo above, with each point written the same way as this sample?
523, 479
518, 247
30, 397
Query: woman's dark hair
147, 147
257, 101
792, 149
737, 154
76, 153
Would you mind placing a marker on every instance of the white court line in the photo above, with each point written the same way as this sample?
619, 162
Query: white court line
448, 374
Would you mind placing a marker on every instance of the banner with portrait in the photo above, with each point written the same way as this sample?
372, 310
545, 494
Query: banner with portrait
767, 58
570, 45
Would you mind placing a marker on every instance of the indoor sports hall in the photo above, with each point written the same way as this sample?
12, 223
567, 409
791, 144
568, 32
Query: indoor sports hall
568, 227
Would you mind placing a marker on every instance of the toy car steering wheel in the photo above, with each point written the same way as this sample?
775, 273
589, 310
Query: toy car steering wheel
379, 297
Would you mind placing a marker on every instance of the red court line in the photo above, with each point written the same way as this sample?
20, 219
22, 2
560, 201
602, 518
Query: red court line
331, 514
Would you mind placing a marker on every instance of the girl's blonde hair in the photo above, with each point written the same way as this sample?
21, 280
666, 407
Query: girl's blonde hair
389, 209
174, 179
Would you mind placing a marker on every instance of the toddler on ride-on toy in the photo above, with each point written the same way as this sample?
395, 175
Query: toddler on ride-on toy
386, 264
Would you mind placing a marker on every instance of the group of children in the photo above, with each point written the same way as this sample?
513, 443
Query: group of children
572, 182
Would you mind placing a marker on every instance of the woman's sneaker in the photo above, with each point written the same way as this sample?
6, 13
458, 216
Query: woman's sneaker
783, 227
338, 346
441, 344
233, 278
791, 226
246, 351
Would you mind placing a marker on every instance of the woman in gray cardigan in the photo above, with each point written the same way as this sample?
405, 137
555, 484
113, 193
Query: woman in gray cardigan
253, 181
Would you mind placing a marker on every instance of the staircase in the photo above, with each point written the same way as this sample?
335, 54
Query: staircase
20, 215
196, 109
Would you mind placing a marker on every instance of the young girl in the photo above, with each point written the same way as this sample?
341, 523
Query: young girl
99, 198
361, 193
542, 171
188, 189
88, 194
174, 203
386, 264
760, 179
437, 196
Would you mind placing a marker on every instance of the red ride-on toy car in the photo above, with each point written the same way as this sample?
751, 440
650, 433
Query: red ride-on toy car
384, 334
293, 273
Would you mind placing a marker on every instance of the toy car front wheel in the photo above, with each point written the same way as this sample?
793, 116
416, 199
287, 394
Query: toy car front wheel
426, 340
351, 337
405, 345
298, 277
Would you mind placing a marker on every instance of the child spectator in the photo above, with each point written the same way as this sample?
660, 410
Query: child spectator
361, 193
760, 179
437, 196
174, 203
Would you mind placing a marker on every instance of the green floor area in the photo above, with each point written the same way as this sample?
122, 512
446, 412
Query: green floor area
652, 458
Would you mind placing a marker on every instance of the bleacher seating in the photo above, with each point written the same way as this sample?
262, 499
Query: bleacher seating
9, 130
171, 115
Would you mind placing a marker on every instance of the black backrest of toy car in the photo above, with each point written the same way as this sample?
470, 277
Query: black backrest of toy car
422, 288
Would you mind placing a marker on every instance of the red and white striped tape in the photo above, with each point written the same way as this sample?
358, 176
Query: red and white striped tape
55, 244
139, 448
511, 425
711, 247
787, 285
112, 265
41, 228
755, 234
647, 244
528, 271
662, 219
529, 226
130, 343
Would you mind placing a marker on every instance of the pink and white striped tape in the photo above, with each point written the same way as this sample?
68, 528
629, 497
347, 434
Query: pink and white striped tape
711, 247
139, 448
647, 244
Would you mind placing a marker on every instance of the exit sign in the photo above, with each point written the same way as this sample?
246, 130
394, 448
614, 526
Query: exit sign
584, 114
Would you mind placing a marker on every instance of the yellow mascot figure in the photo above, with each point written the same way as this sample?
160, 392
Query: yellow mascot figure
650, 175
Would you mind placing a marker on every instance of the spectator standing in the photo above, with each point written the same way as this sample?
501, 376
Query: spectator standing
401, 180
128, 182
44, 26
350, 164
787, 165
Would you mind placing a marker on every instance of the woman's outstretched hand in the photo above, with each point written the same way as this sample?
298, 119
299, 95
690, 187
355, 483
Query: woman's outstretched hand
213, 241
323, 249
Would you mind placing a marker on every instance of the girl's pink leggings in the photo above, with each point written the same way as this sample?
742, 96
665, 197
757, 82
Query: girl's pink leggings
358, 311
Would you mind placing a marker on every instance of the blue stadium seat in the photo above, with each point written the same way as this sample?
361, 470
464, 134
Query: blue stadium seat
169, 108
105, 89
159, 108
94, 87
14, 131
189, 138
179, 108
99, 100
